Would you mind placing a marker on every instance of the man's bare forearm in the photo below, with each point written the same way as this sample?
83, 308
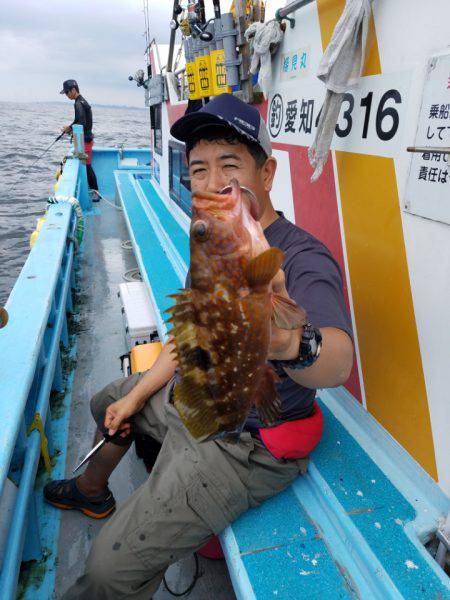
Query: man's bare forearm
334, 364
156, 377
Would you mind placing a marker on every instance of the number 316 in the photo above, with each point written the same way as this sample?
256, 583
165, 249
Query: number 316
384, 131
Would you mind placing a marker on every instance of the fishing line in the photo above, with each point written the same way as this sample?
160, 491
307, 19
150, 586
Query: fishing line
11, 186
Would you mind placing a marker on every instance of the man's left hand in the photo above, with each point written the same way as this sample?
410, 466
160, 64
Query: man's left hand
67, 129
284, 343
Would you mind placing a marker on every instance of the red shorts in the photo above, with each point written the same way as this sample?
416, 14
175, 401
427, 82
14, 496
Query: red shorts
88, 151
294, 439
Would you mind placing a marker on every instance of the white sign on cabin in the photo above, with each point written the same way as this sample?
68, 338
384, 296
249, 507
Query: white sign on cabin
428, 185
371, 119
295, 64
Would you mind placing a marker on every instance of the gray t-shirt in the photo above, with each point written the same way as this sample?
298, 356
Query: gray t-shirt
313, 279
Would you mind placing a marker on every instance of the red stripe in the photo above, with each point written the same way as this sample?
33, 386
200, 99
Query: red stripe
175, 112
316, 211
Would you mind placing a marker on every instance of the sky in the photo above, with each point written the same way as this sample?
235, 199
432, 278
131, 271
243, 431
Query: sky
97, 42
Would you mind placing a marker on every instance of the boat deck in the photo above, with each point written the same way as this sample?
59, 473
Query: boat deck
100, 343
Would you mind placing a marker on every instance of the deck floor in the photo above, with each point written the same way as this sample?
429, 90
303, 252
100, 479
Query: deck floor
100, 343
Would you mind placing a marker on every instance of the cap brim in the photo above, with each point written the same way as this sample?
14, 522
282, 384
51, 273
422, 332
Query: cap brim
186, 126
62, 92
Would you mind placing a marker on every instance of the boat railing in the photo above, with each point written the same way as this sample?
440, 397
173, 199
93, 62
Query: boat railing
30, 369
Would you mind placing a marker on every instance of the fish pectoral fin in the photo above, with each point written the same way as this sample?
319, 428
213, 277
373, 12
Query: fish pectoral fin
267, 402
263, 268
286, 313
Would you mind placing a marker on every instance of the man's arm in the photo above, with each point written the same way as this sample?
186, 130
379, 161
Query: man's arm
333, 366
335, 362
153, 380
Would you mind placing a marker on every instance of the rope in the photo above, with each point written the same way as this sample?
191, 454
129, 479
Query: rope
109, 201
78, 212
37, 424
132, 275
197, 576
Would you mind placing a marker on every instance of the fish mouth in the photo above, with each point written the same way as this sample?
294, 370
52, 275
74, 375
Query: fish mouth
255, 210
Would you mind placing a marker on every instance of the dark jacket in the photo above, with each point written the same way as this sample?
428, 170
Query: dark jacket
83, 116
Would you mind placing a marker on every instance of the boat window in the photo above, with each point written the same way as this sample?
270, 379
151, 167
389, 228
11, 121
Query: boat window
179, 181
155, 121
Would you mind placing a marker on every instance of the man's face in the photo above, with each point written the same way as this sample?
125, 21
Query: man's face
72, 94
212, 164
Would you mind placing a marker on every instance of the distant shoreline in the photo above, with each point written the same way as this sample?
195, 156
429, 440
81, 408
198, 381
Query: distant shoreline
60, 103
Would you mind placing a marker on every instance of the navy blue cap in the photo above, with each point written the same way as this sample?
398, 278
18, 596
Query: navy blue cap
226, 110
68, 85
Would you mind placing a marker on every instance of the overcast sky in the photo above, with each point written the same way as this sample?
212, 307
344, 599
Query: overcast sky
97, 42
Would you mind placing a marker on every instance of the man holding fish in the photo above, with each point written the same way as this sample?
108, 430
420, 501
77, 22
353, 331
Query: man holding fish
261, 325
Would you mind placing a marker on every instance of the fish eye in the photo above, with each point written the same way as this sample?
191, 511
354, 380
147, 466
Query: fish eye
200, 230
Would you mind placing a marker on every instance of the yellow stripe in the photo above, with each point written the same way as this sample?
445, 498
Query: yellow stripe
384, 313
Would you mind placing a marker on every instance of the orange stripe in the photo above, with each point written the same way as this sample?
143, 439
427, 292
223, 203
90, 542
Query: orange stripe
384, 313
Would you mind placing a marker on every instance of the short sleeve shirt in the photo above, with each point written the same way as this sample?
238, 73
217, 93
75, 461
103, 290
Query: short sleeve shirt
313, 279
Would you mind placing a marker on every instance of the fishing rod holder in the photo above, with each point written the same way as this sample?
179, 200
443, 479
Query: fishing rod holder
228, 36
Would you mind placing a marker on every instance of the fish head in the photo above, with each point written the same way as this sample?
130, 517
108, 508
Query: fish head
219, 230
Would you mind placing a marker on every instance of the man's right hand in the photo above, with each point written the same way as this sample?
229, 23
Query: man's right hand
117, 414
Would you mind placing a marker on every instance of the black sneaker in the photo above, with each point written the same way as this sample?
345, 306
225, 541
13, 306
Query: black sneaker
64, 493
95, 196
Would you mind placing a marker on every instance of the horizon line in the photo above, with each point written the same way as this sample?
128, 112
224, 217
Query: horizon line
115, 105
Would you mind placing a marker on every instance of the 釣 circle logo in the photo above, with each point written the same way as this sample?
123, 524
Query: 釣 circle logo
276, 115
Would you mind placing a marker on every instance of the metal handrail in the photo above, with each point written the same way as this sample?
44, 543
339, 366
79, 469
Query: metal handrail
19, 522
292, 7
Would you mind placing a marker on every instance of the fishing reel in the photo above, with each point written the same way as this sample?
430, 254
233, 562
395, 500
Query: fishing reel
195, 21
174, 24
205, 36
138, 77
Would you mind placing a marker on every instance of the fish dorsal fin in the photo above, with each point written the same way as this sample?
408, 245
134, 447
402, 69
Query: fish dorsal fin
286, 313
263, 268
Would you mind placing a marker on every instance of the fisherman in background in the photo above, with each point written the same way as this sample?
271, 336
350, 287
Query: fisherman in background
83, 116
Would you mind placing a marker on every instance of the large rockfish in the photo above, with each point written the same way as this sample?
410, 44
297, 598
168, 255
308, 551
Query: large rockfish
222, 324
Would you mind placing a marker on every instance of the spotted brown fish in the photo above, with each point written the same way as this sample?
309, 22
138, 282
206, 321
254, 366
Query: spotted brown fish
221, 325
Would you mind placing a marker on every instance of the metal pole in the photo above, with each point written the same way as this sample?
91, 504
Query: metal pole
291, 7
430, 149
173, 33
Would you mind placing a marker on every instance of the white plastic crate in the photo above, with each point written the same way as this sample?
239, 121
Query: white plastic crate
138, 314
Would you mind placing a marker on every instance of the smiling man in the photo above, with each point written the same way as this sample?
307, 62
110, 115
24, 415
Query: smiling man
196, 489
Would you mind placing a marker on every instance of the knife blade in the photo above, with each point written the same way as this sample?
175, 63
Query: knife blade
106, 438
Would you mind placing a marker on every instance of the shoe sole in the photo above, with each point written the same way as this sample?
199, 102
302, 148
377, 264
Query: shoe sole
85, 511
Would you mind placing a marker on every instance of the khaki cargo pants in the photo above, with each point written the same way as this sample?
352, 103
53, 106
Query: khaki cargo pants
194, 491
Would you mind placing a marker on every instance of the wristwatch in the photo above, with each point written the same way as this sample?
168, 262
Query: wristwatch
309, 350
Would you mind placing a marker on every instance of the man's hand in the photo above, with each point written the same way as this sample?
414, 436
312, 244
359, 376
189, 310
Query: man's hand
66, 129
284, 343
117, 414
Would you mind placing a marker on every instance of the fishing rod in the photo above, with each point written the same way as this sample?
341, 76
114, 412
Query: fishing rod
45, 151
39, 158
